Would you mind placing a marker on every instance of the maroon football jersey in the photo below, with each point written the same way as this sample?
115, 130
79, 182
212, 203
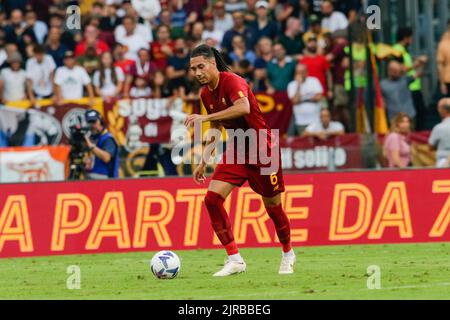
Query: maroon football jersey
230, 88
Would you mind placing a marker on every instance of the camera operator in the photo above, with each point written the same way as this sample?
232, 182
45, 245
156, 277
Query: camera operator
103, 147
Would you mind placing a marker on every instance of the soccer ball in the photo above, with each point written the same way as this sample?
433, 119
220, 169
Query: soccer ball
165, 265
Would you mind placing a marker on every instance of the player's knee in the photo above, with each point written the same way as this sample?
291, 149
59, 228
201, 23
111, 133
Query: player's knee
213, 199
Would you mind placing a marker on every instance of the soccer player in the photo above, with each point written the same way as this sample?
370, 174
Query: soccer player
231, 104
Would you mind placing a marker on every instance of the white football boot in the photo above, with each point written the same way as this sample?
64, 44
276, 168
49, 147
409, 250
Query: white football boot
231, 267
287, 264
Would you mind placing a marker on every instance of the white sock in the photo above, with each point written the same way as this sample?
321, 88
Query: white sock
289, 254
236, 257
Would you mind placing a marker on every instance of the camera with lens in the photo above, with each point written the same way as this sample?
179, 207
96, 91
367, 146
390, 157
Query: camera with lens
78, 149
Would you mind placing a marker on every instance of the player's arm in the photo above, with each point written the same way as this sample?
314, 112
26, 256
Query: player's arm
240, 108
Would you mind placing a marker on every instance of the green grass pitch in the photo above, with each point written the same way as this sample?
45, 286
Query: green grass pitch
409, 271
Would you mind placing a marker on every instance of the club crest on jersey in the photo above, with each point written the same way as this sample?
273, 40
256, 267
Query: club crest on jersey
224, 102
211, 106
241, 94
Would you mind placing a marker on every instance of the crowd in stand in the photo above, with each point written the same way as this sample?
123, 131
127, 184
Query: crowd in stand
141, 49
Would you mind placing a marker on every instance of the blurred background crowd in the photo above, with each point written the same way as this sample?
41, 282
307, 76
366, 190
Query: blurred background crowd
314, 50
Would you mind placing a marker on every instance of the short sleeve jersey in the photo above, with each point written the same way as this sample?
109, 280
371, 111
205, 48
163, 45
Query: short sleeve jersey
231, 88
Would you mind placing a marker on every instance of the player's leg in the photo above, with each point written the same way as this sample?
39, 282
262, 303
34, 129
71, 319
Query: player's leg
283, 229
218, 191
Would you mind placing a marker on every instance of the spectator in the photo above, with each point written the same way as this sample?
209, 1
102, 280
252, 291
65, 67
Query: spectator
396, 93
439, 139
291, 39
91, 39
172, 21
397, 147
315, 29
404, 41
54, 47
280, 71
18, 32
263, 26
66, 36
178, 65
294, 8
42, 9
160, 86
239, 28
131, 37
240, 52
443, 60
140, 88
332, 20
338, 60
142, 67
40, 71
264, 56
13, 80
39, 28
324, 128
222, 21
104, 148
162, 48
89, 61
70, 80
147, 9
109, 20
196, 34
306, 93
121, 61
108, 80
210, 32
317, 65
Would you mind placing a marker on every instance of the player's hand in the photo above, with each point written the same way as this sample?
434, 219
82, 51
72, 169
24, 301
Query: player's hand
199, 174
191, 119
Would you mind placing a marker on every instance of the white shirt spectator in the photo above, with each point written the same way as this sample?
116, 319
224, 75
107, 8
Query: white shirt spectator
306, 112
39, 74
134, 43
147, 9
440, 139
317, 127
337, 21
224, 24
109, 88
13, 84
144, 30
72, 81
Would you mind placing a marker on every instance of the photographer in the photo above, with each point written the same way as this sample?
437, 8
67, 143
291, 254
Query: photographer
103, 147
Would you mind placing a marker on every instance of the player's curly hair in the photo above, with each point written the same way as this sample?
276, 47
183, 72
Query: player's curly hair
206, 51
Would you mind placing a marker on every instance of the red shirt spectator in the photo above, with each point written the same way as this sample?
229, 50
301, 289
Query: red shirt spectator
91, 38
163, 48
318, 65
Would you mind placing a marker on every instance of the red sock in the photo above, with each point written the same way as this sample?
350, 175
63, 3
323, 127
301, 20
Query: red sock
220, 221
282, 226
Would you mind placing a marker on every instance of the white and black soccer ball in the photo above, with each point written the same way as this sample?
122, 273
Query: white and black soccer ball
165, 265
